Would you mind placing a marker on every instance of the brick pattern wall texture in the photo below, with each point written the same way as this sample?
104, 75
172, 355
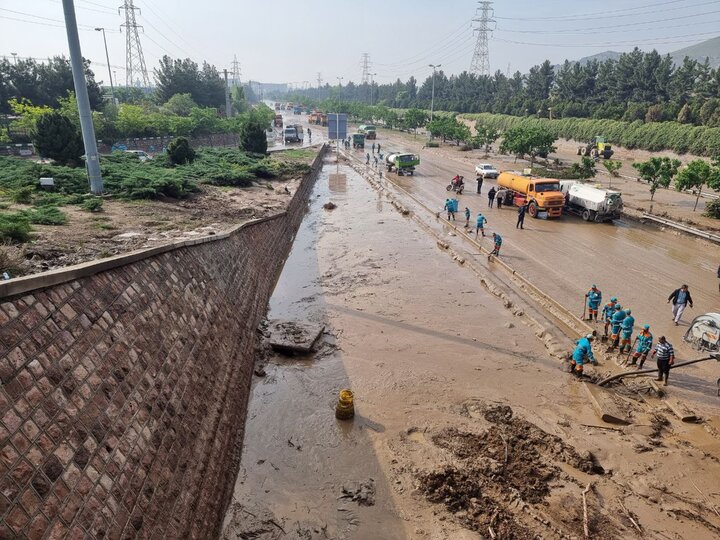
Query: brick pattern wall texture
124, 394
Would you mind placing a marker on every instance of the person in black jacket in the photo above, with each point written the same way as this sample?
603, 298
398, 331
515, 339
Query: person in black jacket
680, 299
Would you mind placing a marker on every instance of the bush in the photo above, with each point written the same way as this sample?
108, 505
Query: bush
14, 228
180, 151
22, 195
252, 134
57, 138
712, 209
92, 204
432, 144
50, 199
46, 215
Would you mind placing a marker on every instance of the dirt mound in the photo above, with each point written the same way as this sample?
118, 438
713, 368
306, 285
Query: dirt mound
461, 494
510, 460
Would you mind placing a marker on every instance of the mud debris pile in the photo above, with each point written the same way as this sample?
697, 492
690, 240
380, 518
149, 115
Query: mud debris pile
513, 461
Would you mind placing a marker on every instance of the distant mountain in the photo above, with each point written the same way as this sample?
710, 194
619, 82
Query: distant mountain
705, 49
600, 57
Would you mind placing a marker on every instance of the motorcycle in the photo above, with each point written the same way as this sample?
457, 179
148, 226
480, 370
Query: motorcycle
456, 185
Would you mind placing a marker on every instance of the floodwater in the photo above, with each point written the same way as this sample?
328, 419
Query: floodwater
420, 342
639, 264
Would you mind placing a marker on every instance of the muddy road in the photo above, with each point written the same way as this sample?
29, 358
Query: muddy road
465, 426
639, 264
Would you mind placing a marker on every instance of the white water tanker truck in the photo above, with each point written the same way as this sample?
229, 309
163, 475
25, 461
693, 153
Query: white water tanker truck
591, 203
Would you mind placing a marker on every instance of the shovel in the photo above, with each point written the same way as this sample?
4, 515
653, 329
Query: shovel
627, 358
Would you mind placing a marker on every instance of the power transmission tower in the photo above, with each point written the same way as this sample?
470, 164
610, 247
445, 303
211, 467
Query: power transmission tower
481, 57
365, 63
135, 70
235, 71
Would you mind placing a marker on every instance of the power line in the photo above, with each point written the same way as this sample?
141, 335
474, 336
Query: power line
626, 25
664, 41
604, 32
452, 35
605, 14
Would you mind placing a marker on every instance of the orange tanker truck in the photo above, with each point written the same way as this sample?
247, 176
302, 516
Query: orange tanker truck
542, 195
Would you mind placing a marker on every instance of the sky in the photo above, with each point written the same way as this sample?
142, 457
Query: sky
291, 41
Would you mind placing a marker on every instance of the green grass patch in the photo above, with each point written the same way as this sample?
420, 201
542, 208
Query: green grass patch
46, 215
14, 227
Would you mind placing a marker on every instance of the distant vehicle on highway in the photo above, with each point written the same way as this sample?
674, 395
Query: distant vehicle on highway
358, 140
485, 170
402, 163
142, 155
293, 134
369, 130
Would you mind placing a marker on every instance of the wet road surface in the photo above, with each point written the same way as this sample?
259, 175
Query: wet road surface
420, 342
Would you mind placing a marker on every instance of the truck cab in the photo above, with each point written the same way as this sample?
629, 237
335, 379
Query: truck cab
369, 130
541, 195
358, 140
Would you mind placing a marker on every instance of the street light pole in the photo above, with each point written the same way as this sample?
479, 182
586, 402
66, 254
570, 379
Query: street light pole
432, 99
107, 57
337, 128
92, 160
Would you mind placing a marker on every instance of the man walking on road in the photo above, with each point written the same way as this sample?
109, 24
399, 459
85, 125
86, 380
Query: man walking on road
521, 220
378, 148
680, 299
467, 217
665, 358
479, 180
491, 196
373, 148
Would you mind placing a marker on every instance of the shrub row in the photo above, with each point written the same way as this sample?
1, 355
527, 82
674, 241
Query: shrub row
652, 136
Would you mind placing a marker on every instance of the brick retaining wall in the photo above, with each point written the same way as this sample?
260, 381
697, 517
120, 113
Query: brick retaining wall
124, 392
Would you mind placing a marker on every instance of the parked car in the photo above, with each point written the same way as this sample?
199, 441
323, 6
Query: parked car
485, 170
142, 155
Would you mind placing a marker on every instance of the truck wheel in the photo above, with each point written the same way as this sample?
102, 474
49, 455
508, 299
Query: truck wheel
597, 218
586, 215
412, 173
583, 151
579, 150
533, 210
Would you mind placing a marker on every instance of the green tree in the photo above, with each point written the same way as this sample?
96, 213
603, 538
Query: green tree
180, 152
612, 167
180, 104
698, 174
529, 141
237, 98
585, 169
415, 118
252, 133
486, 135
657, 172
56, 137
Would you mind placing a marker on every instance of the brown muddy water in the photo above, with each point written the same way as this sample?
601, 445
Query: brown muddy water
428, 352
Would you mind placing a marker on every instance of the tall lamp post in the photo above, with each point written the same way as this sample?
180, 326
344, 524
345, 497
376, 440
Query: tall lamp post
432, 99
107, 57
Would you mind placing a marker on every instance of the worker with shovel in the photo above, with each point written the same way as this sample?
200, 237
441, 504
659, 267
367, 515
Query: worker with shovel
607, 312
626, 330
616, 322
497, 239
480, 224
594, 297
644, 342
582, 353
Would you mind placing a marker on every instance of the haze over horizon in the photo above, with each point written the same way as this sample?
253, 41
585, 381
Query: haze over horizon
285, 43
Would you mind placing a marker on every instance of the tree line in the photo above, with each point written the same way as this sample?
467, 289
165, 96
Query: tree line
639, 85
